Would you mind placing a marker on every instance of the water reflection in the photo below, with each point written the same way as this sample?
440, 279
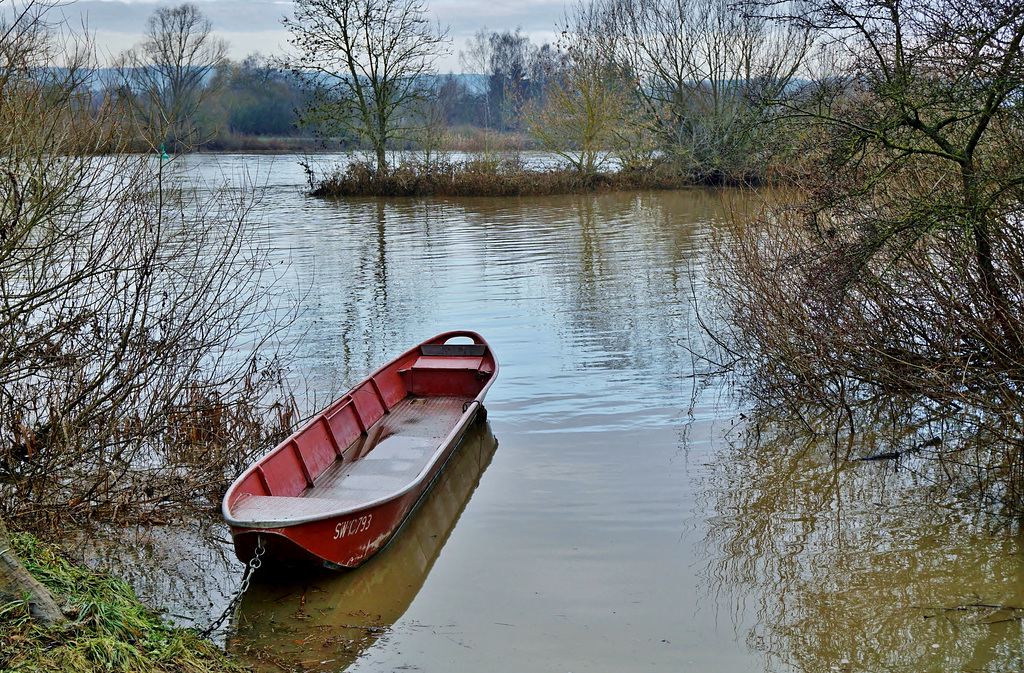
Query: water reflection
578, 550
604, 280
849, 572
577, 555
324, 620
613, 531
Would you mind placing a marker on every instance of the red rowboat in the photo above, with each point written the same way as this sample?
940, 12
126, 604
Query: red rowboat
338, 490
352, 610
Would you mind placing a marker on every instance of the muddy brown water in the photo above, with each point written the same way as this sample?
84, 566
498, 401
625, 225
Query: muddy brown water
611, 515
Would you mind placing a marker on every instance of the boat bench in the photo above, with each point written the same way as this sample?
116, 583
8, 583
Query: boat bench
445, 369
272, 510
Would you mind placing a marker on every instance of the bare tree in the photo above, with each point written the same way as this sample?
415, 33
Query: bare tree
704, 69
505, 59
131, 325
476, 60
511, 55
586, 111
166, 77
432, 136
366, 61
891, 288
24, 45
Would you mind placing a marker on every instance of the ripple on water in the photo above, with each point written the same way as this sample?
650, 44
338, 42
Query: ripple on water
626, 520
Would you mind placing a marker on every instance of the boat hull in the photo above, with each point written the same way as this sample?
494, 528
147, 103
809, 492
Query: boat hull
344, 541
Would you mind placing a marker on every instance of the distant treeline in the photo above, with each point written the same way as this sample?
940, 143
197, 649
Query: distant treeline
255, 105
613, 92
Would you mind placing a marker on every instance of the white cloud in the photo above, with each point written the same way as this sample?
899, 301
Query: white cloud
255, 25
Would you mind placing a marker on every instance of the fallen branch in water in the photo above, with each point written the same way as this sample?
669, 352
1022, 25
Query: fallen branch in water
892, 455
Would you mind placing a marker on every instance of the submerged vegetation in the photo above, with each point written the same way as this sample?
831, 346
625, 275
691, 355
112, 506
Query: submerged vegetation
886, 294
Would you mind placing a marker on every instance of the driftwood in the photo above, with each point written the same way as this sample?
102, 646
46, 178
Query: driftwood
17, 584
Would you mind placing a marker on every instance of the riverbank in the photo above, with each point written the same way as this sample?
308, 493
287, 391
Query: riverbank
108, 628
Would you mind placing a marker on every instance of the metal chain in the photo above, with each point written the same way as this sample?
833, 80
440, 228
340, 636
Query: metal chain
250, 570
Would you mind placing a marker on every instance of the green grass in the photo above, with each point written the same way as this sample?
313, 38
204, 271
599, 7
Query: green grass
108, 629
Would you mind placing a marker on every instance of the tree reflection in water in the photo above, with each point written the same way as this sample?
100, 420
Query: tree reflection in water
850, 571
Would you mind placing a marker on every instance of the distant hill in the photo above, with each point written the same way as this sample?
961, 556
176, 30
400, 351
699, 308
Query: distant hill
477, 84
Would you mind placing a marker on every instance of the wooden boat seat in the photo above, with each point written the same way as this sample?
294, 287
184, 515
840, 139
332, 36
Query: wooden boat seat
276, 509
426, 362
408, 437
445, 369
455, 357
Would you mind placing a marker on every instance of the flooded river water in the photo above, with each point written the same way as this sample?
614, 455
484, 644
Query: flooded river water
611, 515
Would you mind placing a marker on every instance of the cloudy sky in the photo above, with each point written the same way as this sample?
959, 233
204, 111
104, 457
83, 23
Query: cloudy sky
255, 25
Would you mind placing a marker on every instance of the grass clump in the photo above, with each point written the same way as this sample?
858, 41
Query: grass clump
108, 629
485, 176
